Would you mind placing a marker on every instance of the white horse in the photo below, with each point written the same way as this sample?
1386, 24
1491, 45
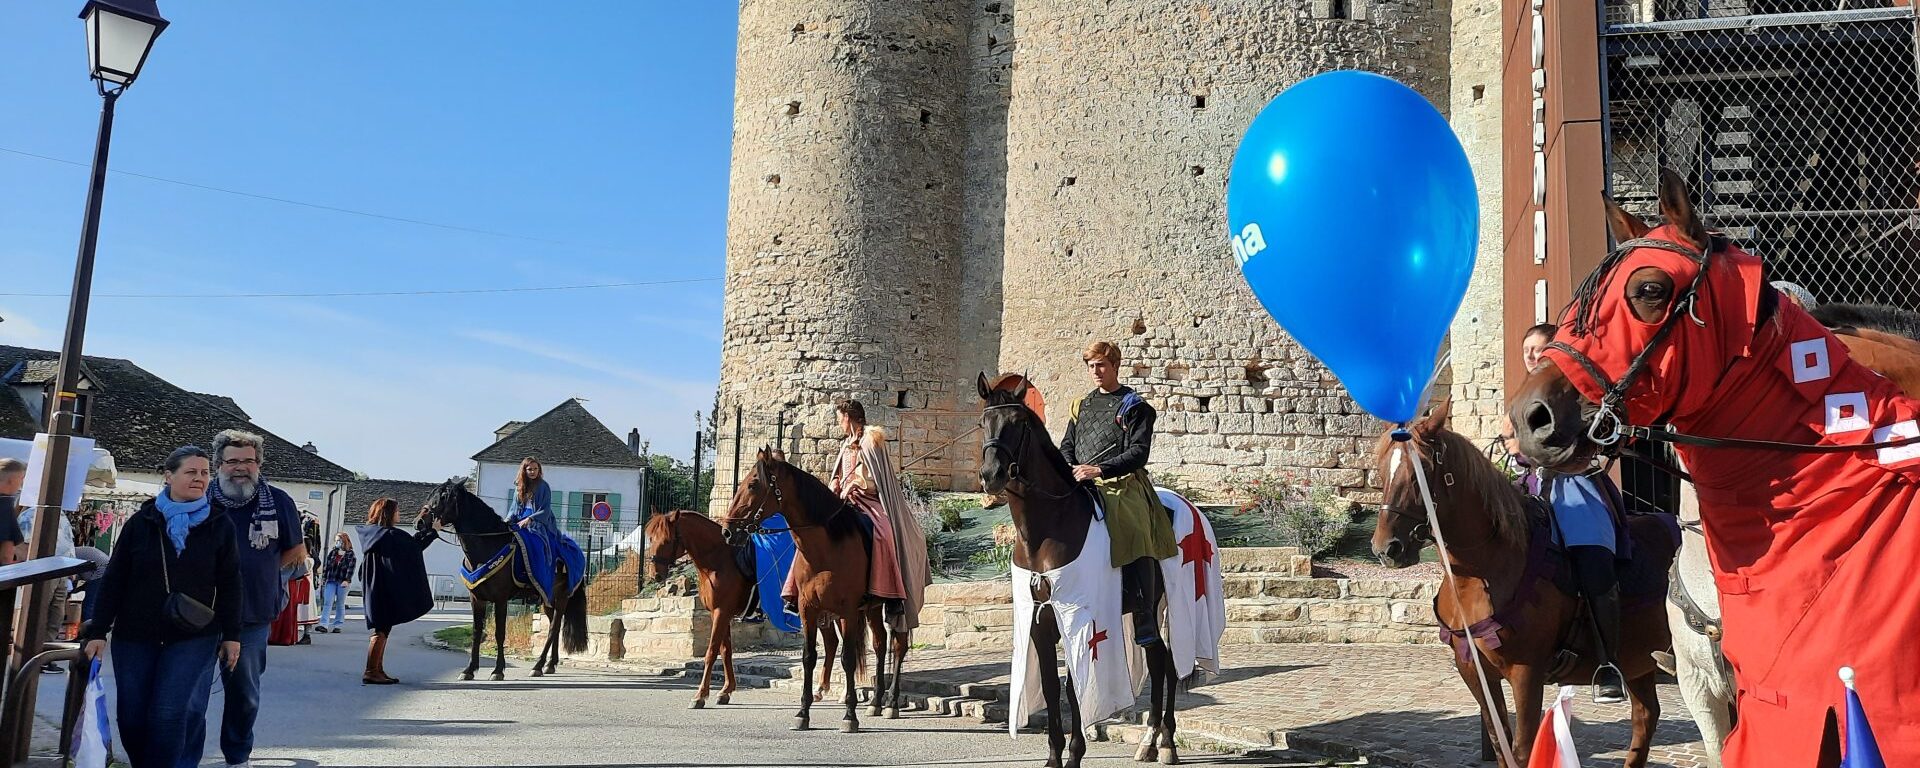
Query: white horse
1693, 614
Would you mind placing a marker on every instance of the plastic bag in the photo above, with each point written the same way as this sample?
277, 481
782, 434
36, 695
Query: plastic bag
93, 734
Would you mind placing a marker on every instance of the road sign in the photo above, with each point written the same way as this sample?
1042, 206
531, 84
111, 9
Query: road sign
602, 511
600, 530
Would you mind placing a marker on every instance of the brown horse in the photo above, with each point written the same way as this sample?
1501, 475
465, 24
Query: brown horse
1523, 627
1051, 516
724, 587
484, 536
831, 568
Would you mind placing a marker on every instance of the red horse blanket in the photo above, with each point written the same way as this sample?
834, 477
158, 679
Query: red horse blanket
1812, 553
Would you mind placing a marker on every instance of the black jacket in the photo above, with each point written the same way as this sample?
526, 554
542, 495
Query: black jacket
133, 593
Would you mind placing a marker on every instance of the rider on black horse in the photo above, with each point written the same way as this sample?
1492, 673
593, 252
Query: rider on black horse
1107, 442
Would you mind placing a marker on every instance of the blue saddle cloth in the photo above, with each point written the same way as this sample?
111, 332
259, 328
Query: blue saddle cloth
772, 556
535, 565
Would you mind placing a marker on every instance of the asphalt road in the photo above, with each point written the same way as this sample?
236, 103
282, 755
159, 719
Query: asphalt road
316, 713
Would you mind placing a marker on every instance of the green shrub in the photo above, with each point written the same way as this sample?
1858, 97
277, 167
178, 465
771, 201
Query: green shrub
1301, 514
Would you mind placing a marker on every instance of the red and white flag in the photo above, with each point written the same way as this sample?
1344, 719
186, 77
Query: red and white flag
1553, 745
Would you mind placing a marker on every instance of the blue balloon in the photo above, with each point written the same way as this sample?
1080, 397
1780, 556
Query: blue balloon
1354, 219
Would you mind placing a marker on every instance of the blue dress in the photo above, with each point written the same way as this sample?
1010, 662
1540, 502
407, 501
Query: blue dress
1580, 506
539, 509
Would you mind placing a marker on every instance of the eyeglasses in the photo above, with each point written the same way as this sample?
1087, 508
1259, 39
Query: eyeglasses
240, 463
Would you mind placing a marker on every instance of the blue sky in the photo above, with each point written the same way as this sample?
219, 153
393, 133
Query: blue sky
598, 136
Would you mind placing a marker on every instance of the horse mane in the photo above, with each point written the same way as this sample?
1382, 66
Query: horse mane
814, 494
1505, 505
1894, 320
1048, 451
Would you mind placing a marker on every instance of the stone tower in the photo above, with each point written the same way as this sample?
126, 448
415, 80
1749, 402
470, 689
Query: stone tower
845, 233
926, 189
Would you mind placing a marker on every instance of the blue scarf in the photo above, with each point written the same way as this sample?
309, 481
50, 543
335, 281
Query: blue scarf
260, 494
181, 515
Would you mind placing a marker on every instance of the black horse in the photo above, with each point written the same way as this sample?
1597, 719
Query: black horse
483, 534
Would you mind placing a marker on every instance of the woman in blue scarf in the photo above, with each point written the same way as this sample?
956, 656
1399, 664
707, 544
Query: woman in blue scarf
533, 502
171, 601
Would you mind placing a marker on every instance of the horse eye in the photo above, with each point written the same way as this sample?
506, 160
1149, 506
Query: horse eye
1651, 291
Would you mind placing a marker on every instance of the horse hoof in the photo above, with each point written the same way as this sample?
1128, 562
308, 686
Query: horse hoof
537, 672
800, 723
724, 699
893, 713
849, 726
821, 696
700, 704
1146, 753
1170, 757
497, 676
468, 675
873, 711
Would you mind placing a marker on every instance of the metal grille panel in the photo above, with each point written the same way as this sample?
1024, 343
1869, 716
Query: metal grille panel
1796, 131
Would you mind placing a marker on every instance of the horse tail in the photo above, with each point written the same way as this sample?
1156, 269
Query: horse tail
573, 635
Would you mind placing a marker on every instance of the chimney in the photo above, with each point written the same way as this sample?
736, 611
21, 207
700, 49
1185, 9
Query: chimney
506, 430
633, 441
310, 449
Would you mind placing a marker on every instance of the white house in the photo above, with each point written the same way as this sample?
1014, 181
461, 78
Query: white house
140, 418
584, 462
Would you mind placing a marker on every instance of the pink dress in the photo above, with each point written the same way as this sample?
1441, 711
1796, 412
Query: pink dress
854, 484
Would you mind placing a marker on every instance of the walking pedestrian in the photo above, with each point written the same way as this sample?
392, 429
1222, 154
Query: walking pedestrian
393, 580
170, 602
337, 576
56, 607
266, 527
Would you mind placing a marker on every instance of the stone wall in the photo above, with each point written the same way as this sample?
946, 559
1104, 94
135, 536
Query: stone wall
924, 189
1270, 592
1123, 124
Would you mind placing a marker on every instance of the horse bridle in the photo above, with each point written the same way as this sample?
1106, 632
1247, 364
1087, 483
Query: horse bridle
1011, 455
1422, 530
673, 543
757, 524
1608, 422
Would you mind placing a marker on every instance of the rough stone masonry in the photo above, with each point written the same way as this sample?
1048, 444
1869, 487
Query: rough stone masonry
926, 189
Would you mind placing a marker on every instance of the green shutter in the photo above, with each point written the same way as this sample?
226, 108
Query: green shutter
573, 504
614, 499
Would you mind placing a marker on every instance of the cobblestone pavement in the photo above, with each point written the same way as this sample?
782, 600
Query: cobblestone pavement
1398, 705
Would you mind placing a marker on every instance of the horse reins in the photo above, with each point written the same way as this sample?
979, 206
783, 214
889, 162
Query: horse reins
757, 524
1608, 423
993, 443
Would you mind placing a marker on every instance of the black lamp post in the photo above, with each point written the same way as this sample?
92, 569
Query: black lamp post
119, 35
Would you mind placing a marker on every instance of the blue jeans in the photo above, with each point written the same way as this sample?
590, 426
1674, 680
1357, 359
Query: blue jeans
333, 601
163, 698
92, 599
243, 699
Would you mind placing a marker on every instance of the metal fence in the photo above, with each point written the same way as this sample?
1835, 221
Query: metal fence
1793, 123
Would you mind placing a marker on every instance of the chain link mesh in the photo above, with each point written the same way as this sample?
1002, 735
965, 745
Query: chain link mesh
1793, 122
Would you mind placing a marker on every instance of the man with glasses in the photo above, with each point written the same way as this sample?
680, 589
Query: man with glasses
268, 525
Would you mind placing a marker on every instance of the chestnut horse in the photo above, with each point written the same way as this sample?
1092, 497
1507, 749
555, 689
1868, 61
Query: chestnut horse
1527, 631
724, 587
1051, 515
832, 570
1808, 486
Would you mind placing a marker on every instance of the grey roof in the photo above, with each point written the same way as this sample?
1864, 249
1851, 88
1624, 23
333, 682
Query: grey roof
42, 371
140, 418
361, 494
566, 436
227, 403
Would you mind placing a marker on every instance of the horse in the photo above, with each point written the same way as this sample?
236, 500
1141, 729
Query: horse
831, 564
724, 587
1800, 457
1882, 339
1503, 602
1052, 514
483, 535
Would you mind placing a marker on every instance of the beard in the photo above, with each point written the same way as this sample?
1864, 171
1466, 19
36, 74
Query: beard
239, 488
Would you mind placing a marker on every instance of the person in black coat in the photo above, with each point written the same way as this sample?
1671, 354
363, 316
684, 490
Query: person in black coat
171, 601
394, 579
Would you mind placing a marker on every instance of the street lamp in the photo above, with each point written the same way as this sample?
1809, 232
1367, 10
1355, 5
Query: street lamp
119, 35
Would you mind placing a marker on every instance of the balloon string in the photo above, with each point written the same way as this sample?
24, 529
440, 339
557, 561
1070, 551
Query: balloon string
1446, 565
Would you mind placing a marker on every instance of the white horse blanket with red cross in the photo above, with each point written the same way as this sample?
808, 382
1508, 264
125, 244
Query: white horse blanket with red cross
1107, 668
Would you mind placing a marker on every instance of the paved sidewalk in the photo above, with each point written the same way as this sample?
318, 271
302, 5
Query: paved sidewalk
1396, 705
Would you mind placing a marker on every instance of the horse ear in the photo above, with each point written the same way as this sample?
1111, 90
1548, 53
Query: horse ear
1020, 392
1625, 226
1677, 206
1437, 418
985, 388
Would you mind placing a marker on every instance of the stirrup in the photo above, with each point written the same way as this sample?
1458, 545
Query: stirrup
1600, 693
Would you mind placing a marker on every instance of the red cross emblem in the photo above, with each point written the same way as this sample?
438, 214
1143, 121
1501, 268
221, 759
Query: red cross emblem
1099, 636
1195, 549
